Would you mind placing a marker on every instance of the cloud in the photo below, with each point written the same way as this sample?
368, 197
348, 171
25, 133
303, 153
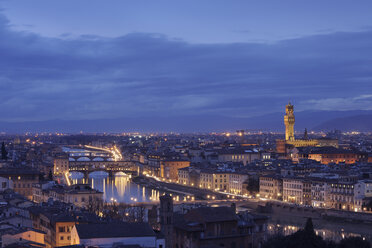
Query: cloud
144, 74
362, 102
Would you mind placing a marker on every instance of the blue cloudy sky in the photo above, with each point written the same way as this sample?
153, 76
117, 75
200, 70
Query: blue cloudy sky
88, 59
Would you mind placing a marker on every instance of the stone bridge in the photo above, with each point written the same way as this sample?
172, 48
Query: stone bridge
90, 158
111, 167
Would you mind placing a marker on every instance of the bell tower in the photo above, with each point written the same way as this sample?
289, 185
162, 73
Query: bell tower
166, 219
289, 121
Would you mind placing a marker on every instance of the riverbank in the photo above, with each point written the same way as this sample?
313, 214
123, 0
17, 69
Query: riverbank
288, 222
258, 205
315, 213
199, 194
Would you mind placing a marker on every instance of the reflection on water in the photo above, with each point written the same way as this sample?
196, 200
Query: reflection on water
118, 188
327, 230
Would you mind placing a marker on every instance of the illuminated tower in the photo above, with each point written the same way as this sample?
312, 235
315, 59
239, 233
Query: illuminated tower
289, 121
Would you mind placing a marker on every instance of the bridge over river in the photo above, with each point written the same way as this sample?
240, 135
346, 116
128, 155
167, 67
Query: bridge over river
111, 167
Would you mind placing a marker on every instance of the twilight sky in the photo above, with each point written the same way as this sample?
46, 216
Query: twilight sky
88, 59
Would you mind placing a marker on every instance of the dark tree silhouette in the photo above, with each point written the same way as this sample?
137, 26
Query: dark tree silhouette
50, 176
4, 153
306, 238
354, 242
309, 227
253, 185
41, 177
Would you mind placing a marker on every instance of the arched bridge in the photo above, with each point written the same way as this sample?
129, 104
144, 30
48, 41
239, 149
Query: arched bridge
111, 167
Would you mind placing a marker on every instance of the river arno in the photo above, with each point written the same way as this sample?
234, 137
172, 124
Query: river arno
121, 189
331, 230
118, 188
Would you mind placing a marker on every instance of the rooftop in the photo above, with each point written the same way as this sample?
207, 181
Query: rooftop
114, 230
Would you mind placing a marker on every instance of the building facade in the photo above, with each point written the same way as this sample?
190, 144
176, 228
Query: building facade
271, 187
362, 191
22, 178
293, 190
81, 195
218, 227
60, 166
320, 193
244, 156
169, 168
342, 196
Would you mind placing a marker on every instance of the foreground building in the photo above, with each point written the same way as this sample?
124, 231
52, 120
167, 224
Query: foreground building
211, 227
121, 233
23, 236
81, 195
22, 179
57, 220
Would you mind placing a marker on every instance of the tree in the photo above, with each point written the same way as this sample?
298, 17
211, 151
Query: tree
253, 185
50, 176
354, 242
306, 238
275, 242
95, 205
309, 227
41, 177
4, 153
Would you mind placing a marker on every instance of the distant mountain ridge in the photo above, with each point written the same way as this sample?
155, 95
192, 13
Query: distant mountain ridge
362, 123
312, 120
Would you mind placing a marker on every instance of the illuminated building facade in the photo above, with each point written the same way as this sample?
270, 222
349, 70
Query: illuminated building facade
61, 166
320, 193
22, 179
236, 182
342, 196
290, 141
169, 168
226, 181
362, 194
271, 187
327, 155
244, 156
81, 195
206, 180
293, 190
289, 121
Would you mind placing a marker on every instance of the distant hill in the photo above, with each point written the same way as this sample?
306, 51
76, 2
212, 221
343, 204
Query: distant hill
312, 120
361, 123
